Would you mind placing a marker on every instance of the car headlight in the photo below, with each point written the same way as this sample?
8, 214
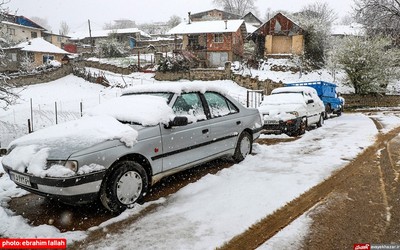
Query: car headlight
295, 113
72, 165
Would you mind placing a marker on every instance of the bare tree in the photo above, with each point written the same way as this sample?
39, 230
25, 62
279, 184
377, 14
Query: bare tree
380, 17
239, 7
7, 96
64, 28
120, 24
316, 19
174, 21
41, 21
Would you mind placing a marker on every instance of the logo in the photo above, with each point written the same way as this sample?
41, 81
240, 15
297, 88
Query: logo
364, 246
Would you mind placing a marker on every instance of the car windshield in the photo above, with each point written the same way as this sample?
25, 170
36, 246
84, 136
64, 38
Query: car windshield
166, 95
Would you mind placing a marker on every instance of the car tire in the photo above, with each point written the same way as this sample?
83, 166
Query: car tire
243, 147
302, 128
123, 186
320, 121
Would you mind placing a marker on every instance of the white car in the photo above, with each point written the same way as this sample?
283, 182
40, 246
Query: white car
291, 110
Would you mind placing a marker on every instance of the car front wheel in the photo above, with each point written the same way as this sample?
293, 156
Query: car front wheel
243, 147
123, 186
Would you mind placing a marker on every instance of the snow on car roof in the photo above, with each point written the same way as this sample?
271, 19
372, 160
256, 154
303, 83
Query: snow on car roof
146, 110
293, 89
283, 98
178, 88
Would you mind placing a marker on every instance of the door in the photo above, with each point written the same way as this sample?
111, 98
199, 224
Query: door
226, 123
185, 145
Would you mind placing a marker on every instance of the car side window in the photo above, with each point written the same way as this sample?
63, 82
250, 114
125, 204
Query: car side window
219, 105
189, 105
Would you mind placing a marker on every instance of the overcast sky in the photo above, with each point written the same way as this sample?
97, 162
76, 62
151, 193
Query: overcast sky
76, 13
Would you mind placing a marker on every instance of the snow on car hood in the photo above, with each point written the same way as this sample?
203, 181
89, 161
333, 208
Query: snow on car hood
146, 110
60, 141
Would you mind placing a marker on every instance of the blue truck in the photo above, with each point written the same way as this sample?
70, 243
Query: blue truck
334, 104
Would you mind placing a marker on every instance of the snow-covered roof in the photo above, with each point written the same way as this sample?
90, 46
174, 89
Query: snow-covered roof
348, 30
250, 28
39, 45
105, 33
217, 26
20, 25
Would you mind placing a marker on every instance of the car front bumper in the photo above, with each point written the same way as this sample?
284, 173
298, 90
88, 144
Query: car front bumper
281, 127
79, 189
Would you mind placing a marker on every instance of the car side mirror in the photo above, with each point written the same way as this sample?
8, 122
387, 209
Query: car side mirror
310, 101
178, 121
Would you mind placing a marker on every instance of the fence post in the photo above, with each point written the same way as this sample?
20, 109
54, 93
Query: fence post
29, 126
81, 107
55, 108
31, 120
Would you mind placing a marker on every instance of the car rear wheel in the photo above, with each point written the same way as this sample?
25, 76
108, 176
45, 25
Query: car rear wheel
243, 147
123, 186
321, 121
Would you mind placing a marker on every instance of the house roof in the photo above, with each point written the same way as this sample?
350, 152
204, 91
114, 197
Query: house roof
39, 45
204, 27
250, 16
290, 27
21, 20
105, 33
225, 15
20, 25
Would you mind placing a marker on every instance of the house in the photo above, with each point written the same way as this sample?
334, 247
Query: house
57, 40
37, 50
19, 28
128, 36
279, 35
251, 19
213, 42
213, 14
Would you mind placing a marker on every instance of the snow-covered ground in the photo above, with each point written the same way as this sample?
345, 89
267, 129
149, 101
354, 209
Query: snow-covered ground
209, 212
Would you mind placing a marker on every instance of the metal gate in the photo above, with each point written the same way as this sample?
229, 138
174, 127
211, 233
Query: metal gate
254, 98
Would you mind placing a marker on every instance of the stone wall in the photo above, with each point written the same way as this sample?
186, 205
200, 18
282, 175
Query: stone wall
41, 77
368, 101
220, 74
106, 67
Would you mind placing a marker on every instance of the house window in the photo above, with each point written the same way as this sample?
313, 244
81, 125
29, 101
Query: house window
13, 57
193, 41
47, 58
33, 34
11, 31
218, 38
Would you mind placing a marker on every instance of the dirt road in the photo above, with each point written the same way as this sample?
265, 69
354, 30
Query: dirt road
358, 204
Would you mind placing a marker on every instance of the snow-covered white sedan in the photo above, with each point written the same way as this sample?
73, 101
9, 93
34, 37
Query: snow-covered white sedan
291, 110
122, 147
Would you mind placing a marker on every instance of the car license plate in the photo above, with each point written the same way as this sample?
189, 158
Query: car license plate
271, 122
20, 179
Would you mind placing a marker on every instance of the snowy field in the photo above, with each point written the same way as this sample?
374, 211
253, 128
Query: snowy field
209, 212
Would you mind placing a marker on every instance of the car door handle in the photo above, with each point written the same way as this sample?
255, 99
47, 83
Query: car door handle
238, 122
205, 131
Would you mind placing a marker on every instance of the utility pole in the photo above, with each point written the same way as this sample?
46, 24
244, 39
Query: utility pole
91, 39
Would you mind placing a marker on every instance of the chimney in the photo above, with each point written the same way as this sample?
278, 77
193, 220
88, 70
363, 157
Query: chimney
189, 17
226, 24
